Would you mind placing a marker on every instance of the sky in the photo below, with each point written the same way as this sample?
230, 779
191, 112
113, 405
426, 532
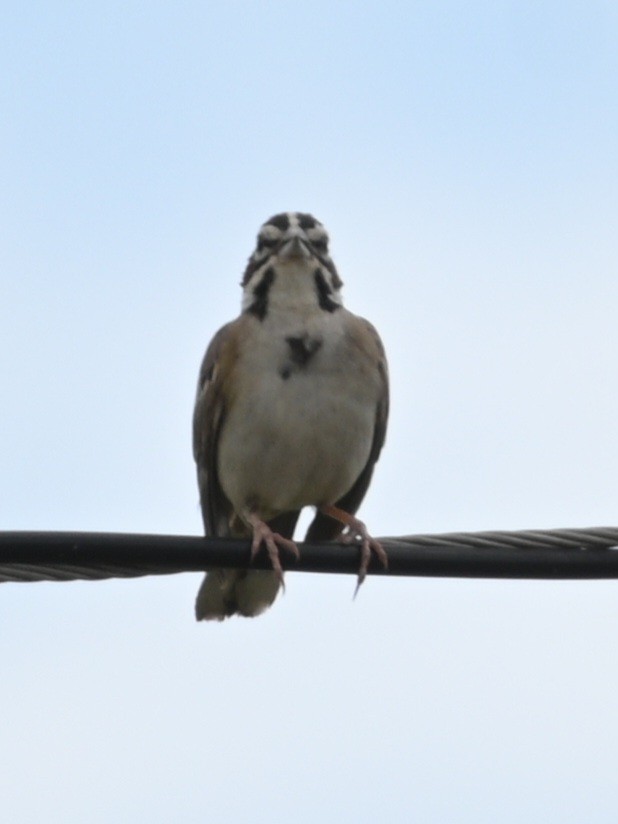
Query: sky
463, 158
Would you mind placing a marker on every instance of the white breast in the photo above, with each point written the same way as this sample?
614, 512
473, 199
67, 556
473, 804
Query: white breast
301, 440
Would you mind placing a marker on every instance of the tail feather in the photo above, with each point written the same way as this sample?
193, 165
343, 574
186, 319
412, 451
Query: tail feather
226, 592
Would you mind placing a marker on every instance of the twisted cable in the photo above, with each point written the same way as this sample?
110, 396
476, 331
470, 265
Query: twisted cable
549, 553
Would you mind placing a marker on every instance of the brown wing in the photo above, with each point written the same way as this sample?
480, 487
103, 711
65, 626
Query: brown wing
323, 528
208, 418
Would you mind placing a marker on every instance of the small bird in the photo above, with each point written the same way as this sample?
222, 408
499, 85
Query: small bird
291, 411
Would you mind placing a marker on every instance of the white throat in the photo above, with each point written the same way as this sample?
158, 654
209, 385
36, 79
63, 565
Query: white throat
293, 290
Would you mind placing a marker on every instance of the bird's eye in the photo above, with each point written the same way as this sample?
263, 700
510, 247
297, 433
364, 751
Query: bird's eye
268, 237
266, 243
320, 244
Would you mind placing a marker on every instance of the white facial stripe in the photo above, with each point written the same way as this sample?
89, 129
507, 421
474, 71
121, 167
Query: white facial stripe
270, 232
317, 233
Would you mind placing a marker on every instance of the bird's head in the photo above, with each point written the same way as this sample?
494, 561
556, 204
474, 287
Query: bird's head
291, 261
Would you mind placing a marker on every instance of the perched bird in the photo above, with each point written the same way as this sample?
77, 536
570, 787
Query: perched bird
291, 411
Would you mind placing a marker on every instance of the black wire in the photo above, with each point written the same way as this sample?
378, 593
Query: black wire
560, 553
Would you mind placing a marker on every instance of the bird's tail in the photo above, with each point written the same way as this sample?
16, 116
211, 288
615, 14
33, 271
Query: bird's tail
247, 592
227, 592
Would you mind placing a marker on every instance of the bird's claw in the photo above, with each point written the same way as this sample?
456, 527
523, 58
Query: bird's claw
356, 532
262, 533
368, 545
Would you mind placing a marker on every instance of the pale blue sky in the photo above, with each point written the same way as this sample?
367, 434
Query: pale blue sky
463, 157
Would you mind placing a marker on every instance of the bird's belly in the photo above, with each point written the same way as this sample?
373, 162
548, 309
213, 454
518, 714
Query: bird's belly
289, 444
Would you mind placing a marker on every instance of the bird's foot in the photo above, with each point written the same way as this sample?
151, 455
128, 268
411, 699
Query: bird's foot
262, 533
356, 532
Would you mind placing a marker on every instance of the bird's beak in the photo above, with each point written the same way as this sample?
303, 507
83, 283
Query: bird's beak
294, 249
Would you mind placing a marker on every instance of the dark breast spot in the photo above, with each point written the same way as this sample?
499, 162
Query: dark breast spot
303, 348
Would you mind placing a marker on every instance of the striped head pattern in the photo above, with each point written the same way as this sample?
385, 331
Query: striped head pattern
291, 256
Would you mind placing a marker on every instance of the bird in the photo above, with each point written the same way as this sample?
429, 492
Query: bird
291, 412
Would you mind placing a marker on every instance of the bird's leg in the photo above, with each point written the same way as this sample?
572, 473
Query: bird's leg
273, 540
357, 531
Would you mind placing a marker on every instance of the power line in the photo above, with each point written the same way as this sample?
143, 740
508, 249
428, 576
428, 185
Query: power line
554, 553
